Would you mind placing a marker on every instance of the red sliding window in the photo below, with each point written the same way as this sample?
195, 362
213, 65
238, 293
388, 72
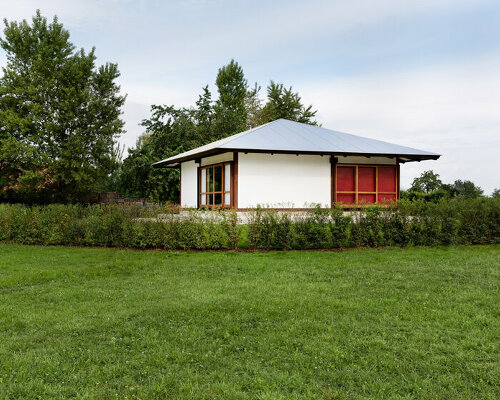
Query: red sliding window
364, 184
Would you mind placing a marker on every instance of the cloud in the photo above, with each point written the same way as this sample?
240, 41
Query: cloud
451, 109
419, 73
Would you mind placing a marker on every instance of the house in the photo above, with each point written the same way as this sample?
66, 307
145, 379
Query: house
290, 165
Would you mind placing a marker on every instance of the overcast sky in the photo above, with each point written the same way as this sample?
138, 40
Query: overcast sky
423, 73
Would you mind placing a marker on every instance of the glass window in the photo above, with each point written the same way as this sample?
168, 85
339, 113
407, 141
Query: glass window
218, 178
227, 178
215, 185
203, 180
210, 179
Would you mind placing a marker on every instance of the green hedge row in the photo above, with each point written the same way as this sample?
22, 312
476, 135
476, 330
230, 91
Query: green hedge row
454, 221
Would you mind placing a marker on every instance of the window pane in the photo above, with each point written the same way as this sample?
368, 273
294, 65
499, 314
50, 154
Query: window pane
227, 199
210, 180
218, 199
203, 183
218, 178
345, 179
210, 199
203, 199
366, 179
227, 178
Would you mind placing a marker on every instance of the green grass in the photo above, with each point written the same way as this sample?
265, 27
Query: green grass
121, 324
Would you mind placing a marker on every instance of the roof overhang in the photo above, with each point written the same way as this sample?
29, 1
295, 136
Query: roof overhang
403, 158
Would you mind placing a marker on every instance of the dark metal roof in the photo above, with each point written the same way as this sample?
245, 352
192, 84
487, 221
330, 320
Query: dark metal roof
284, 136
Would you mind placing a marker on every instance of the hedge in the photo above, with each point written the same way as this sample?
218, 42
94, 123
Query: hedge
417, 223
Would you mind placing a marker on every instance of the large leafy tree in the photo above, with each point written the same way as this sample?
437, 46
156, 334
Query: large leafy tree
427, 182
168, 131
467, 189
230, 108
59, 114
429, 187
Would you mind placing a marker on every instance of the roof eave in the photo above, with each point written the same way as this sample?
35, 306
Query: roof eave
177, 161
408, 157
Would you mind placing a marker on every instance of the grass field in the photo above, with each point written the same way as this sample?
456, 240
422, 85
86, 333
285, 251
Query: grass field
120, 324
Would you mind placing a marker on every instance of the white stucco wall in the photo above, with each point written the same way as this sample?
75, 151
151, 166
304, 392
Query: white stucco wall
189, 184
283, 180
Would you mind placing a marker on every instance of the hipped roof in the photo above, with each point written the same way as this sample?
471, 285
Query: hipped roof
284, 136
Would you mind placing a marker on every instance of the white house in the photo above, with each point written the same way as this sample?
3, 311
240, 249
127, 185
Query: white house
290, 165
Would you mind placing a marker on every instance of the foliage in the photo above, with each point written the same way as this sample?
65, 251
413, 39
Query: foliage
284, 103
270, 229
409, 223
427, 182
59, 115
230, 111
429, 187
467, 189
495, 193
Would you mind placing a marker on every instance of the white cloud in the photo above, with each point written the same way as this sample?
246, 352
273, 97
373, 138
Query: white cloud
450, 109
167, 50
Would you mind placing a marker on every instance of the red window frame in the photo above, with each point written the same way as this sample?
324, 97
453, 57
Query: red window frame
363, 192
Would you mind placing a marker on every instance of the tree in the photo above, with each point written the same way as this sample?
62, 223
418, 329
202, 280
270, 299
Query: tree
253, 105
230, 111
495, 193
204, 114
139, 179
284, 103
427, 182
467, 189
429, 187
59, 114
169, 131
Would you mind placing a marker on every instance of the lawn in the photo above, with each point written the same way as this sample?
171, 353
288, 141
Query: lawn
121, 324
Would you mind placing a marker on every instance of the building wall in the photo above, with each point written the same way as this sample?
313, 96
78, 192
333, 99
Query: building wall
217, 159
283, 180
189, 184
366, 160
279, 180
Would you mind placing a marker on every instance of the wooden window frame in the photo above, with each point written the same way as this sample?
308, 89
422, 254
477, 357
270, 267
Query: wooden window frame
222, 192
356, 192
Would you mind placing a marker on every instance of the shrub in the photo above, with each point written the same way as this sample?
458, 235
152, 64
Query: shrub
408, 223
339, 226
269, 229
312, 231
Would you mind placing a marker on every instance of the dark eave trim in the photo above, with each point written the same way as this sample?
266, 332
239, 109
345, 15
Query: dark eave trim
407, 157
177, 161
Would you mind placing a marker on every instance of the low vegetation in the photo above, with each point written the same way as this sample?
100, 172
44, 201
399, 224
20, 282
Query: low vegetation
418, 223
392, 323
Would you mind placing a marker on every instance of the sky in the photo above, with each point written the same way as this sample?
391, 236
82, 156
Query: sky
419, 73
